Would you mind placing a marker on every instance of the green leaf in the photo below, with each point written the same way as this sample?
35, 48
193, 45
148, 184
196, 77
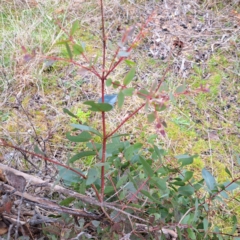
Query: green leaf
143, 93
77, 49
159, 182
80, 155
172, 98
82, 137
147, 168
92, 176
234, 223
232, 186
120, 99
75, 27
120, 135
205, 224
65, 110
69, 177
130, 63
66, 202
129, 77
185, 159
178, 183
121, 181
188, 175
147, 194
209, 179
99, 107
186, 190
86, 128
160, 107
63, 42
128, 91
191, 234
108, 82
116, 84
69, 51
181, 89
151, 117
158, 151
228, 172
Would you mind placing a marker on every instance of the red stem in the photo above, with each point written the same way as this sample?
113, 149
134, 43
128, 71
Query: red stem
103, 77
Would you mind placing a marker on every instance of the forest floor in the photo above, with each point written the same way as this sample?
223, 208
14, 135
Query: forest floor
202, 39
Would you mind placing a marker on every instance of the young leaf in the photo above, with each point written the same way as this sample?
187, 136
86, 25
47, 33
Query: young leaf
38, 151
75, 27
130, 63
99, 107
143, 93
209, 179
147, 168
111, 99
108, 82
92, 176
128, 92
129, 77
82, 137
151, 117
69, 51
77, 49
80, 155
116, 84
65, 110
120, 99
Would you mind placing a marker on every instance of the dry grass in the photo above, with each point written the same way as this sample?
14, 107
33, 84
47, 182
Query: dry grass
32, 96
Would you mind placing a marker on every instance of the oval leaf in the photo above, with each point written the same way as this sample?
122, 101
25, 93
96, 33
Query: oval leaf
80, 155
77, 49
82, 137
92, 176
99, 107
181, 89
129, 77
86, 128
120, 99
108, 82
186, 190
209, 179
128, 92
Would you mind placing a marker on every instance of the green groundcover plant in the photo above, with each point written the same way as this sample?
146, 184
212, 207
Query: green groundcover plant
152, 196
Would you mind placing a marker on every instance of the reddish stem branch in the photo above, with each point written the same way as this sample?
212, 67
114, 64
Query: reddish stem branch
5, 144
125, 120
